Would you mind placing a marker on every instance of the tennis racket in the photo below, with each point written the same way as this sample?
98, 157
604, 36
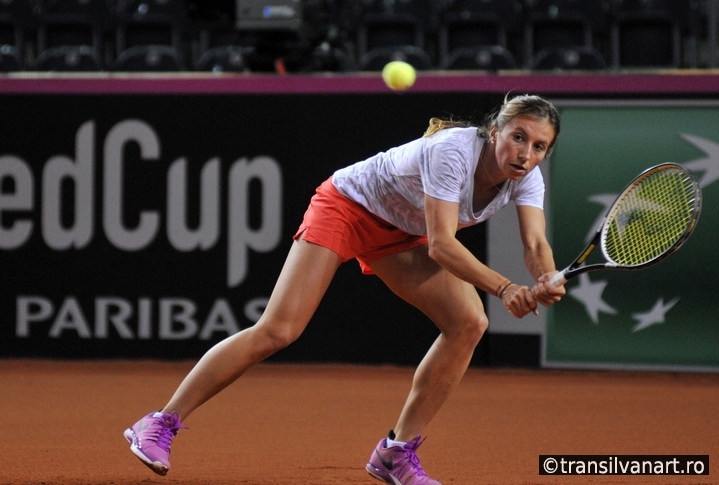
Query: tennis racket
650, 220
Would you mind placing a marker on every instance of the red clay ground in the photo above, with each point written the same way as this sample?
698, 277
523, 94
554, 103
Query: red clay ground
317, 424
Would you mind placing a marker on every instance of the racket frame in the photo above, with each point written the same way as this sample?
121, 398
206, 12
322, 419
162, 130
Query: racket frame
576, 268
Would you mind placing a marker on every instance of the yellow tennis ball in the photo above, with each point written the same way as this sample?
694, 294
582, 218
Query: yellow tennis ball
398, 75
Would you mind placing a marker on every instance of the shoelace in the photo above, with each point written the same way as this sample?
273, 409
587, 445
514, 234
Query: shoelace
411, 454
414, 460
164, 437
166, 433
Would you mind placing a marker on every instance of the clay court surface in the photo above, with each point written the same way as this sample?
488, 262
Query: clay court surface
317, 424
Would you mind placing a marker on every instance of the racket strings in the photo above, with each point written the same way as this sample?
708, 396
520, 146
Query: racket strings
651, 217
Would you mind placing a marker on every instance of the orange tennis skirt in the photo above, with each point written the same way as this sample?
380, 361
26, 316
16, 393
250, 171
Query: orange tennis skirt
335, 222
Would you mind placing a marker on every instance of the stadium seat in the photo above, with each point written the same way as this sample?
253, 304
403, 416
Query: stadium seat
65, 25
471, 24
376, 59
149, 58
154, 28
569, 58
487, 58
381, 31
18, 21
68, 59
650, 33
222, 59
557, 24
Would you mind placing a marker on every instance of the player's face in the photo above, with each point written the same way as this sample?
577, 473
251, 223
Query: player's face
522, 144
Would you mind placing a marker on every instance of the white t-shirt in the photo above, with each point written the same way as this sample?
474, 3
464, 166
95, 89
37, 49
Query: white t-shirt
392, 184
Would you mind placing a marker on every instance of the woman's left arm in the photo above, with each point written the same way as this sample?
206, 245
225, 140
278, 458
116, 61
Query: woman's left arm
538, 255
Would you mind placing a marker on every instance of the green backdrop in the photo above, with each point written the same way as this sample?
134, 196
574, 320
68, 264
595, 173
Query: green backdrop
664, 317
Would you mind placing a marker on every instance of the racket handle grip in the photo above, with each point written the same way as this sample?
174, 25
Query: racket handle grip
558, 279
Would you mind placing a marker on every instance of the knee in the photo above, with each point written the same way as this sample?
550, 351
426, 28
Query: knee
477, 326
482, 324
275, 336
471, 330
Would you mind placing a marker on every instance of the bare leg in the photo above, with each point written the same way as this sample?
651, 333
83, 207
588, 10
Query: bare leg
455, 307
306, 274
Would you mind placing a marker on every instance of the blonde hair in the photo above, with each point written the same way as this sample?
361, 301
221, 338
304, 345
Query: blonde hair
522, 105
437, 124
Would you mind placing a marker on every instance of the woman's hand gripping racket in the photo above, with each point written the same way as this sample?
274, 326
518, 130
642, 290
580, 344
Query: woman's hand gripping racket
650, 220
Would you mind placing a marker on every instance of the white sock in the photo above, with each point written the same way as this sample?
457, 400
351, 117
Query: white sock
391, 443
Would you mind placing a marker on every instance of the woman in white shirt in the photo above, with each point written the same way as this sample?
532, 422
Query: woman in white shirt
397, 213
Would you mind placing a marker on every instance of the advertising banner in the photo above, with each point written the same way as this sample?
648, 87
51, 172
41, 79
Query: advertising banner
664, 317
156, 225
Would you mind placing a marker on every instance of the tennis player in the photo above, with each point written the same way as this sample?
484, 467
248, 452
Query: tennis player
397, 213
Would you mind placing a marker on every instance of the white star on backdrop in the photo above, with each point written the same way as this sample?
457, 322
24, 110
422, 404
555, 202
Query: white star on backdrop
709, 164
654, 316
589, 294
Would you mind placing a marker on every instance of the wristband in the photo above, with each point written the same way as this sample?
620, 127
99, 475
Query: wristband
502, 288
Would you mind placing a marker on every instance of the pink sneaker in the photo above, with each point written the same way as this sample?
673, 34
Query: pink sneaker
151, 438
398, 465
